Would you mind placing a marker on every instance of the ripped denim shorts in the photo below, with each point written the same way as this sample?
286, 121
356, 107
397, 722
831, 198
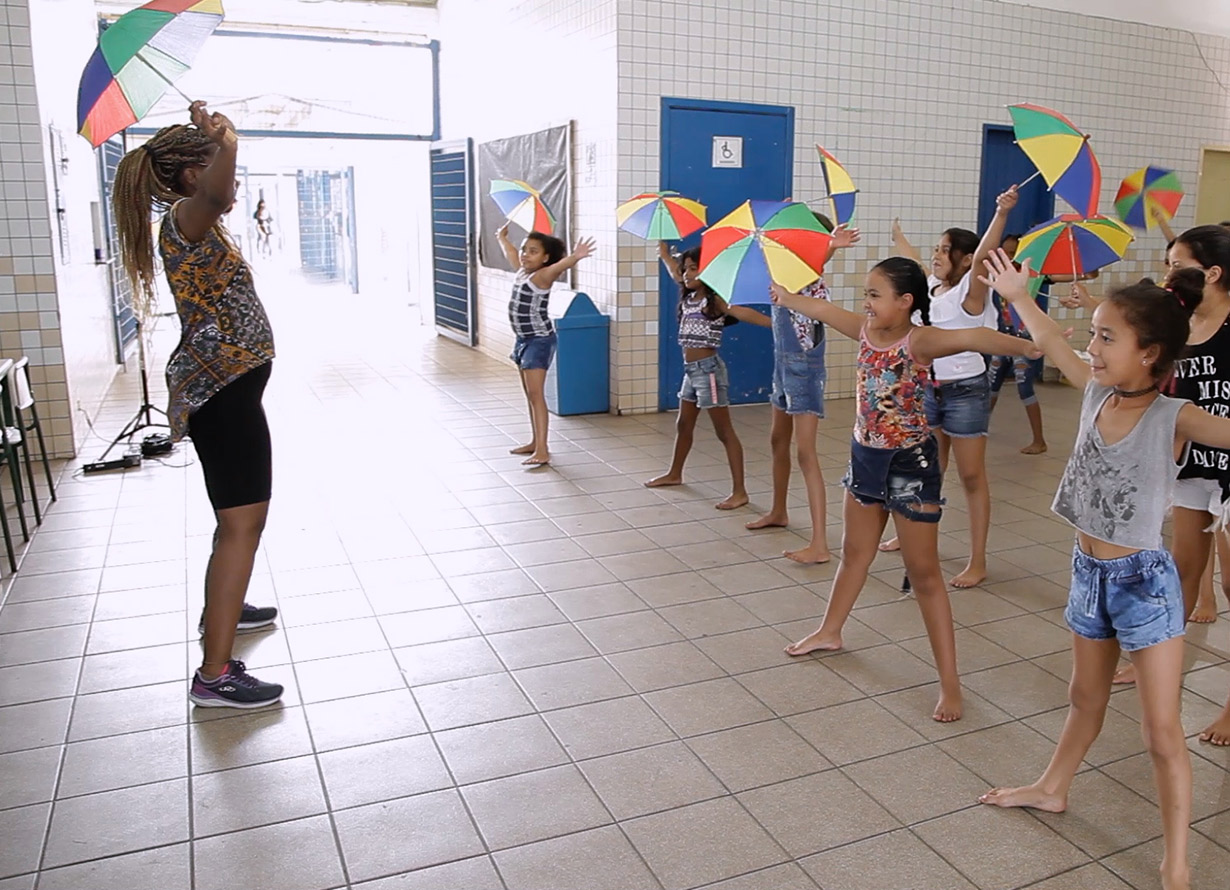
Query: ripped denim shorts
899, 479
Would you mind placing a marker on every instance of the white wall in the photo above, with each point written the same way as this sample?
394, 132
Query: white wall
512, 68
900, 89
1203, 17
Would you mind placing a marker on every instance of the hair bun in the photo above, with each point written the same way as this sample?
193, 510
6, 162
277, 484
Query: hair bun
1187, 285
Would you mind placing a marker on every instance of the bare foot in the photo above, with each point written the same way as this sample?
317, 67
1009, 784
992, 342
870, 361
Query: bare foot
1205, 611
971, 577
1125, 676
1029, 796
1218, 732
522, 449
734, 502
537, 459
1034, 448
949, 709
809, 556
815, 642
769, 520
663, 481
1176, 877
892, 545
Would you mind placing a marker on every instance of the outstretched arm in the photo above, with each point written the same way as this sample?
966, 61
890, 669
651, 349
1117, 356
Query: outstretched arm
841, 320
932, 343
843, 237
1197, 425
1163, 225
670, 262
976, 296
902, 245
747, 314
510, 250
215, 191
1013, 285
547, 275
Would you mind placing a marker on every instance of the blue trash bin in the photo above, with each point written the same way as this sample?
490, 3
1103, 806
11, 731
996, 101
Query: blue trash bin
579, 380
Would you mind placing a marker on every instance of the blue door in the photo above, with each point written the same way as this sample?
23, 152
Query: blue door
1004, 164
689, 128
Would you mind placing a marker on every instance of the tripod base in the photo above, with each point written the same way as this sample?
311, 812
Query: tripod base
143, 420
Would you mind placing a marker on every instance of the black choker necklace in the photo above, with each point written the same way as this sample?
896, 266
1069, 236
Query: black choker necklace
1123, 394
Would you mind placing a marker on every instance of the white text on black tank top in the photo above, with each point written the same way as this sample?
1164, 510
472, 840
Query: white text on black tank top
1213, 395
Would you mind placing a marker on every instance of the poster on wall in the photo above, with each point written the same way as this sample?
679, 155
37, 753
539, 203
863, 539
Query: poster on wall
542, 160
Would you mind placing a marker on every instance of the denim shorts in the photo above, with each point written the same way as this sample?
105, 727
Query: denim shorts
962, 408
706, 383
534, 353
1025, 370
798, 383
1135, 599
898, 479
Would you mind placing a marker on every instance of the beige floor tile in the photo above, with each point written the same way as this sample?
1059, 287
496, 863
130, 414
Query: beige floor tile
880, 669
747, 650
477, 873
540, 645
348, 675
1120, 736
498, 749
708, 706
135, 633
982, 752
119, 761
1000, 849
39, 614
571, 683
570, 575
915, 706
517, 613
1087, 822
166, 868
401, 835
1088, 877
659, 667
46, 644
706, 619
802, 685
649, 780
28, 777
38, 588
383, 771
597, 602
761, 754
601, 859
299, 855
23, 830
671, 590
36, 682
251, 796
34, 725
896, 859
114, 822
855, 731
336, 638
135, 667
1138, 866
276, 733
785, 604
1026, 635
1210, 783
795, 827
509, 811
776, 877
634, 630
447, 660
472, 700
1021, 689
893, 781
702, 843
608, 727
364, 719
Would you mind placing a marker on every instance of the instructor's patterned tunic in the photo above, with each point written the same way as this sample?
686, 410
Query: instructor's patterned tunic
225, 330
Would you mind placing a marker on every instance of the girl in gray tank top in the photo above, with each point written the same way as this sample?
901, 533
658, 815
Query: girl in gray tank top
1125, 593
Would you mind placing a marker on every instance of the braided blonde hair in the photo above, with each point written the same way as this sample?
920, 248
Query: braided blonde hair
149, 177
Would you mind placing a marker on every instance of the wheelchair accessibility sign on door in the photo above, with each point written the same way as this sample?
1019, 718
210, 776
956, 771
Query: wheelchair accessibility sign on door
728, 151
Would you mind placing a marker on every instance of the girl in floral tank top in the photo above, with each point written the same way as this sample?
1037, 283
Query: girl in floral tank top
894, 460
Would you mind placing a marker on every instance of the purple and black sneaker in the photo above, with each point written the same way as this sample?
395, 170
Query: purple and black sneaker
235, 688
251, 618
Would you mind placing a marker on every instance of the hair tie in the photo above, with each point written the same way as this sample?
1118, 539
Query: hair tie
153, 155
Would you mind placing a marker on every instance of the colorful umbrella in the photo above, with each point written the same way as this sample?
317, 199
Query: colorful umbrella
1147, 191
1061, 153
139, 57
522, 204
761, 242
1072, 245
839, 187
661, 216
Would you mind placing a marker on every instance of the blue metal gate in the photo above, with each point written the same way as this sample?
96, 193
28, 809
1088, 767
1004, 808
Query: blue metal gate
123, 317
452, 240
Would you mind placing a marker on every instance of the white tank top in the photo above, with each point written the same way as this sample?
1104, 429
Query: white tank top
948, 313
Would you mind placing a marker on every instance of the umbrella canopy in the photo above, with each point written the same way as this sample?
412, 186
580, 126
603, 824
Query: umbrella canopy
522, 204
761, 242
661, 216
1148, 191
839, 187
1061, 153
139, 57
1072, 245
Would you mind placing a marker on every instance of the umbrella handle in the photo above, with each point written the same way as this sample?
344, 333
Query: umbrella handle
1021, 185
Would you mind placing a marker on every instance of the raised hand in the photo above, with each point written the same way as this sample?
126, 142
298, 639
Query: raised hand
1004, 277
1007, 200
502, 231
584, 248
216, 126
844, 236
898, 234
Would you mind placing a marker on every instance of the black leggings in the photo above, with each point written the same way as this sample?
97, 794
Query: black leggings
232, 442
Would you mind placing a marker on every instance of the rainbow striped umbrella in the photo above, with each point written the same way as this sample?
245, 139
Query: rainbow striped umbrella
1061, 153
761, 242
661, 216
1147, 191
1072, 245
139, 57
522, 204
839, 187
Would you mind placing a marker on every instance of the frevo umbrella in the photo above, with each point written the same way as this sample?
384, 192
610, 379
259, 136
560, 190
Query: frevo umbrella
139, 57
661, 216
1062, 154
1072, 245
838, 186
1148, 191
761, 242
522, 204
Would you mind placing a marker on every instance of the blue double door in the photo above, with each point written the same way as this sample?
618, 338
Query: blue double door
700, 142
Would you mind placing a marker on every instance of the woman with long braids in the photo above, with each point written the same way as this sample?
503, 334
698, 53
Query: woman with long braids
216, 375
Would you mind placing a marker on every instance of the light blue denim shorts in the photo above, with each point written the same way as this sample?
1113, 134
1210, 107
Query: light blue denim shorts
706, 383
1135, 599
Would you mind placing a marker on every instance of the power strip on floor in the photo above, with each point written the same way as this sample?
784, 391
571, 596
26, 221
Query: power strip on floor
121, 463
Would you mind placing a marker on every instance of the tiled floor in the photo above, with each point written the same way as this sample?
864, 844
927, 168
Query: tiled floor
546, 680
